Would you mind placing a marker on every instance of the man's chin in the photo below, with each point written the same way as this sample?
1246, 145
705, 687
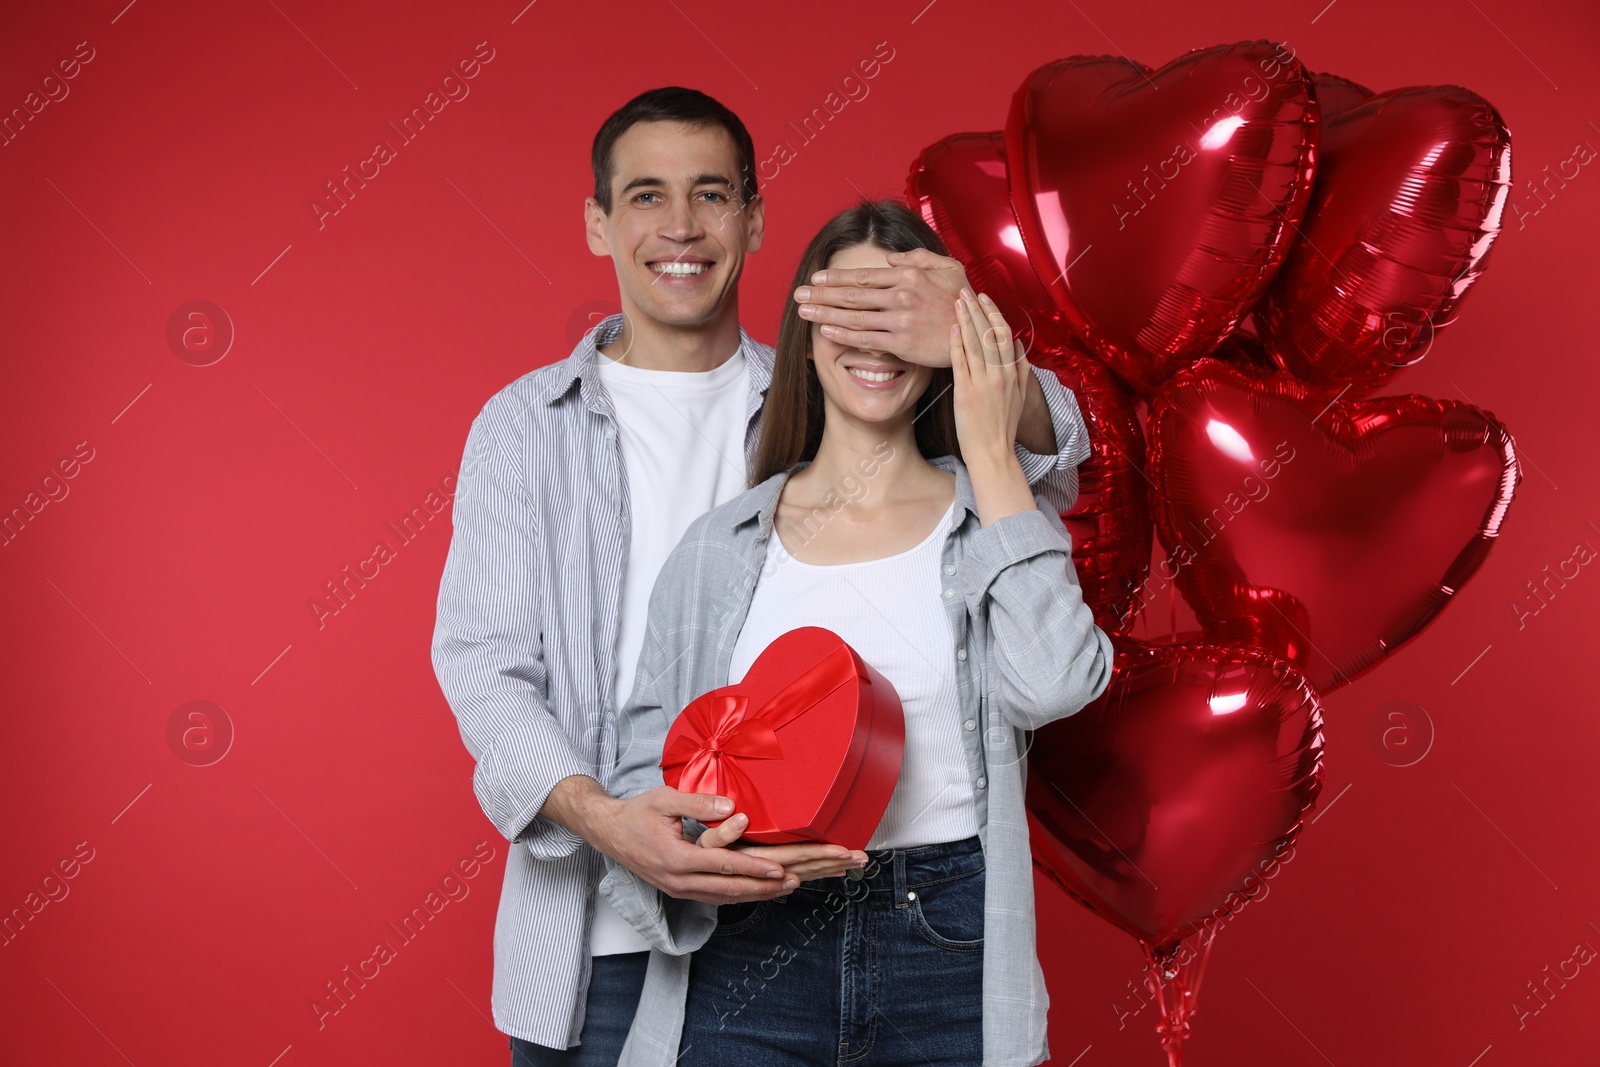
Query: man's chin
681, 316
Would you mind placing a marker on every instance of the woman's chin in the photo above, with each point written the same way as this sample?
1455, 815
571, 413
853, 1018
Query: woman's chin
879, 421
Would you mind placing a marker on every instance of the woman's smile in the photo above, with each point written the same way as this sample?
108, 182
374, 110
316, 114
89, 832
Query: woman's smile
876, 377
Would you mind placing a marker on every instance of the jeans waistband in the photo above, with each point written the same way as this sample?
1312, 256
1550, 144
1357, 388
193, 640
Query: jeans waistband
894, 870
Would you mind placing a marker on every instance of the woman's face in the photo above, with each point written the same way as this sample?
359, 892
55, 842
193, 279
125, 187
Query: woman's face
872, 387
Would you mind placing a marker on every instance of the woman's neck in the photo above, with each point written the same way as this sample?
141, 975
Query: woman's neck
869, 466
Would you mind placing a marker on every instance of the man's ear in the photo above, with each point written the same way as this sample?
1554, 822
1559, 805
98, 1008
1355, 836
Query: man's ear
594, 227
757, 226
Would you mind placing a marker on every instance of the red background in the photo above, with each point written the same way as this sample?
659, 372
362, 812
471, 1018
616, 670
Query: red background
220, 499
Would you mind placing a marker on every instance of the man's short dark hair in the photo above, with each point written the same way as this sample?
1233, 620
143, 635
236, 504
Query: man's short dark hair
670, 104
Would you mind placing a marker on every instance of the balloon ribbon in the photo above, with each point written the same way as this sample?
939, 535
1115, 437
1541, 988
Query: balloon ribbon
1175, 985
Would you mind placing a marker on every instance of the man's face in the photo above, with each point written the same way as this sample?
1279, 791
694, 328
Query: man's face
676, 230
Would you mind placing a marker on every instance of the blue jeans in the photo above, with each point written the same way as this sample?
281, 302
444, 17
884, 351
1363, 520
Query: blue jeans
874, 969
614, 986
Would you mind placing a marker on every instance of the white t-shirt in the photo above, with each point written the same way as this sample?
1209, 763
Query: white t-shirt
891, 612
682, 436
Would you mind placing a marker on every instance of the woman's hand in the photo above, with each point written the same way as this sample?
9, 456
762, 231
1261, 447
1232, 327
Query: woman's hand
991, 383
990, 378
806, 860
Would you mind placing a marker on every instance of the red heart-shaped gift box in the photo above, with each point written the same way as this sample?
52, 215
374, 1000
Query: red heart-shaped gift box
808, 744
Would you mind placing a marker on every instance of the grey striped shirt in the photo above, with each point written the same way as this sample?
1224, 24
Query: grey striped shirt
525, 641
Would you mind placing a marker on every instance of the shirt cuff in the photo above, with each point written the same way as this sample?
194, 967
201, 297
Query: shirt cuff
676, 927
1055, 475
1002, 543
512, 782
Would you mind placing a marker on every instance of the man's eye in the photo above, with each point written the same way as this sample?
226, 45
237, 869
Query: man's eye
640, 198
716, 198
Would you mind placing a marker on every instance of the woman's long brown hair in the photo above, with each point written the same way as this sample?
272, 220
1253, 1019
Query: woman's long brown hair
792, 417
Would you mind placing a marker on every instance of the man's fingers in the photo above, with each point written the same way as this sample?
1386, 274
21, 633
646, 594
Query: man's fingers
857, 278
723, 862
865, 340
925, 258
701, 807
851, 318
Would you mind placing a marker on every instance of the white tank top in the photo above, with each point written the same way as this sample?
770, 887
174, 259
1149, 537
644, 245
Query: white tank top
891, 612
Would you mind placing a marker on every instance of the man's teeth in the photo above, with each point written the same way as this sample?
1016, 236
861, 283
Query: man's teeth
679, 268
875, 376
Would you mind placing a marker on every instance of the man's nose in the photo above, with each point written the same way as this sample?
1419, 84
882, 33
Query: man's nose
681, 224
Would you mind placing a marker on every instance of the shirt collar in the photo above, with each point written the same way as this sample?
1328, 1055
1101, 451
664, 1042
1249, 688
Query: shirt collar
762, 501
584, 365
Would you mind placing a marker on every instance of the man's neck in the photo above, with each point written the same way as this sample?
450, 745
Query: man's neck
652, 345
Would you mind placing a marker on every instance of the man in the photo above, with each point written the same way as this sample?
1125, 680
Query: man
578, 479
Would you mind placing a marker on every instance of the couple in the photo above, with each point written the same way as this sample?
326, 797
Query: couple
635, 523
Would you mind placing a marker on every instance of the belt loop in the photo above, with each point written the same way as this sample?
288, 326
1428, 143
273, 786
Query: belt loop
900, 899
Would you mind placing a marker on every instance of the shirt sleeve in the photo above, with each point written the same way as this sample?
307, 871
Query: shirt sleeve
488, 653
1044, 653
1055, 476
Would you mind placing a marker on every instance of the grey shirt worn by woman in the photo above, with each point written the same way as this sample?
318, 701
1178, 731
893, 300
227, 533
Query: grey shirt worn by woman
1027, 651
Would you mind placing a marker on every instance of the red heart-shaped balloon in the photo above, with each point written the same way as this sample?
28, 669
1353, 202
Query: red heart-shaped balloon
959, 187
1162, 802
1110, 524
1327, 532
1157, 206
1407, 202
1336, 95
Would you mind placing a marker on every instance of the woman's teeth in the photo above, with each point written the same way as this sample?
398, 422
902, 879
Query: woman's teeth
679, 268
875, 376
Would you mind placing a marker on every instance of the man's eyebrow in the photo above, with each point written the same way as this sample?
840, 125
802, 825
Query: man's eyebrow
699, 179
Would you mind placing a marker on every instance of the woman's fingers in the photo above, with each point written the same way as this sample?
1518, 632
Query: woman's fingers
810, 872
790, 855
958, 351
971, 332
997, 336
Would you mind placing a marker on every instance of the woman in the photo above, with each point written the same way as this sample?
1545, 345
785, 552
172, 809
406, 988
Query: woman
888, 505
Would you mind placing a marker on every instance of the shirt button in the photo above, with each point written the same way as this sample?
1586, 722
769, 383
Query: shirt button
971, 724
948, 593
949, 568
982, 782
961, 653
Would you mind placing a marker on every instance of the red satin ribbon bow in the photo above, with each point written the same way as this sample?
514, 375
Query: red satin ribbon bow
719, 729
